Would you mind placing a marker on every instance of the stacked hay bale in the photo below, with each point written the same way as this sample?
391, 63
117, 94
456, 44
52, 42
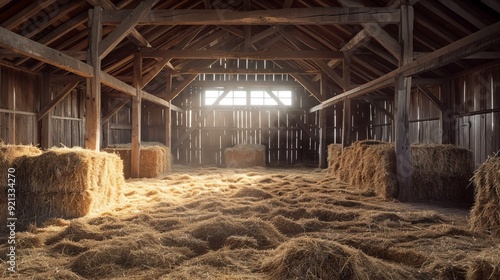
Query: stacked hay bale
440, 172
485, 215
154, 158
66, 183
245, 155
334, 153
8, 153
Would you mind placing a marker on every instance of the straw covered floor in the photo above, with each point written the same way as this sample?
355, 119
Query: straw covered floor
255, 223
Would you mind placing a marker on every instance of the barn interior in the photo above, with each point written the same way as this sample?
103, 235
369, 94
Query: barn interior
250, 139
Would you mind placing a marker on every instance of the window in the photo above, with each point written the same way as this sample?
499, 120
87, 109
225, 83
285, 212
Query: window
242, 97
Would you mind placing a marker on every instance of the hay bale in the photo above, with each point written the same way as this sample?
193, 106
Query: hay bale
440, 172
241, 156
9, 153
485, 215
154, 158
334, 153
314, 258
67, 183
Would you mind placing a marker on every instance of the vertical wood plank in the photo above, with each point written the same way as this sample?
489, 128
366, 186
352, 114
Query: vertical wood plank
322, 127
46, 123
403, 90
347, 111
136, 119
93, 102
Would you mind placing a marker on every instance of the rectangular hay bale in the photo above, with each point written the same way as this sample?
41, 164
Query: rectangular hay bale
440, 172
245, 155
154, 158
66, 183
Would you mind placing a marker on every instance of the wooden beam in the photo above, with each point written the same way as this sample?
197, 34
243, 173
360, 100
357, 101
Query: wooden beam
60, 96
17, 43
256, 55
244, 71
291, 16
440, 105
168, 112
494, 4
115, 109
466, 46
93, 94
463, 12
347, 110
380, 108
329, 72
26, 13
135, 153
182, 86
309, 86
478, 55
401, 122
122, 30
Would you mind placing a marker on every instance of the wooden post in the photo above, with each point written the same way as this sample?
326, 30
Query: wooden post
322, 150
346, 118
93, 102
136, 118
46, 127
446, 118
401, 120
168, 111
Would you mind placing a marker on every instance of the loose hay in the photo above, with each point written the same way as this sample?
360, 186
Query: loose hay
313, 258
485, 215
154, 158
440, 172
241, 156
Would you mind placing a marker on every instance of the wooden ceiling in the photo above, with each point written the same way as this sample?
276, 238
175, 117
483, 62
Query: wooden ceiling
301, 37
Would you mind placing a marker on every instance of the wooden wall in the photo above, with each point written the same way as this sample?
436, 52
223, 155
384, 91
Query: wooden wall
476, 102
18, 103
290, 135
67, 118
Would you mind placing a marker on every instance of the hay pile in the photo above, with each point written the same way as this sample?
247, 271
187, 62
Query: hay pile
314, 258
154, 158
66, 183
245, 155
255, 223
485, 215
440, 172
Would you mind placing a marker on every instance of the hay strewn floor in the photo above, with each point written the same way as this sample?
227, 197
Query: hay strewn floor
211, 223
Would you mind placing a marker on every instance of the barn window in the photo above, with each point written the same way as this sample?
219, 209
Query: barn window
248, 97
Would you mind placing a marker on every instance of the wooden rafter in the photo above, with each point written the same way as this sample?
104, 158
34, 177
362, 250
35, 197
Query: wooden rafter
291, 16
466, 46
125, 28
256, 55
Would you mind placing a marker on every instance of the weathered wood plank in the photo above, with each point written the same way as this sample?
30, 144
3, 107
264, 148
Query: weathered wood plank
125, 27
290, 16
60, 96
19, 44
136, 119
93, 101
256, 55
473, 43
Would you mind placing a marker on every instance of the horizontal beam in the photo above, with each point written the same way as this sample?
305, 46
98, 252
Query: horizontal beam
466, 46
277, 71
249, 84
256, 55
290, 16
19, 44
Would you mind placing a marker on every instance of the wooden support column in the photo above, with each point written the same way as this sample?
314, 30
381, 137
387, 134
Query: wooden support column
46, 121
136, 119
168, 111
346, 117
446, 118
403, 90
322, 149
93, 100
